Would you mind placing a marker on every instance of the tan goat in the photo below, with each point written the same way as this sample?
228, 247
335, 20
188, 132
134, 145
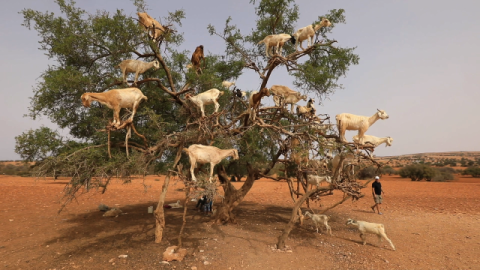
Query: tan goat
154, 28
308, 32
202, 154
116, 99
276, 41
136, 66
255, 98
286, 94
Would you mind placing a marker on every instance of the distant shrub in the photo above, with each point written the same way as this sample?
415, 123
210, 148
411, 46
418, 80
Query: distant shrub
367, 172
388, 170
473, 171
418, 172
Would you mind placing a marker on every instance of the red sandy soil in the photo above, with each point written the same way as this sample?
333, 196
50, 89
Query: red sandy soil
433, 226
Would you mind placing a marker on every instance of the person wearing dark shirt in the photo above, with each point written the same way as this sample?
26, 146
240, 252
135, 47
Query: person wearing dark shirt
377, 192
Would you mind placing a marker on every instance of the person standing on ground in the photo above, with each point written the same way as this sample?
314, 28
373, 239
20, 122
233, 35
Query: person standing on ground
377, 192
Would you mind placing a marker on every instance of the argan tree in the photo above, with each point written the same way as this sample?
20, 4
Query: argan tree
86, 48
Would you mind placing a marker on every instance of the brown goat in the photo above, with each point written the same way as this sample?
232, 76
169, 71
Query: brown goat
255, 98
197, 57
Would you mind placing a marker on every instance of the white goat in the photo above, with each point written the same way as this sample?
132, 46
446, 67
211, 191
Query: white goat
116, 99
154, 28
203, 154
347, 121
317, 219
137, 67
317, 180
375, 141
290, 99
206, 98
308, 32
373, 228
277, 41
309, 110
227, 84
176, 205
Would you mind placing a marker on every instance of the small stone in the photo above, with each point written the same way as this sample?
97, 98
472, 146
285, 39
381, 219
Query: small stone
206, 263
194, 268
122, 256
10, 220
201, 250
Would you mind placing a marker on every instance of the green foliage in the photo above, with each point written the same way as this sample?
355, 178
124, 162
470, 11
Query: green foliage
86, 48
473, 171
35, 145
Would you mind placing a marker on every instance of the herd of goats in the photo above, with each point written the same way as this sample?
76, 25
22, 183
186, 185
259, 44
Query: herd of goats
130, 98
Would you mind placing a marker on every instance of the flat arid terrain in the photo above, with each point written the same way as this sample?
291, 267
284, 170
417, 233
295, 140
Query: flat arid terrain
433, 225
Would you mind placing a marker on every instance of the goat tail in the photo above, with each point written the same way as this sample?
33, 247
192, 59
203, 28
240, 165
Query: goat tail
221, 93
185, 150
263, 41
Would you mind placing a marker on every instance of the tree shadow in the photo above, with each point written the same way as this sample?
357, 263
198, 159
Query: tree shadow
91, 234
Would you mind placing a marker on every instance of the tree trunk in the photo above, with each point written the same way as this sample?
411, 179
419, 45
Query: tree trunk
293, 219
233, 197
159, 213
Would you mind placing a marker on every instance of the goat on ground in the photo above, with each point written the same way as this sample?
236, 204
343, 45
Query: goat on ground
373, 228
203, 154
175, 205
308, 32
318, 219
276, 41
375, 141
137, 67
116, 99
206, 98
347, 121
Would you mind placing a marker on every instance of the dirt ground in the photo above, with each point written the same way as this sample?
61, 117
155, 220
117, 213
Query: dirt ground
433, 226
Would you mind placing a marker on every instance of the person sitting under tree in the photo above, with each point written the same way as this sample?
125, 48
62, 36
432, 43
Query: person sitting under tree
377, 192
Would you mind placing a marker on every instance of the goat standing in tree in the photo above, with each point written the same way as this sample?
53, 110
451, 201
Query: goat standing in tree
308, 32
348, 121
136, 66
154, 28
202, 154
197, 57
116, 99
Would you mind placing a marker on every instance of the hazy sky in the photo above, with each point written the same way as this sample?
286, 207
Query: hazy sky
419, 61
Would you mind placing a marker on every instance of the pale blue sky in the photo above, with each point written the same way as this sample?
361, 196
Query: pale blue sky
419, 61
